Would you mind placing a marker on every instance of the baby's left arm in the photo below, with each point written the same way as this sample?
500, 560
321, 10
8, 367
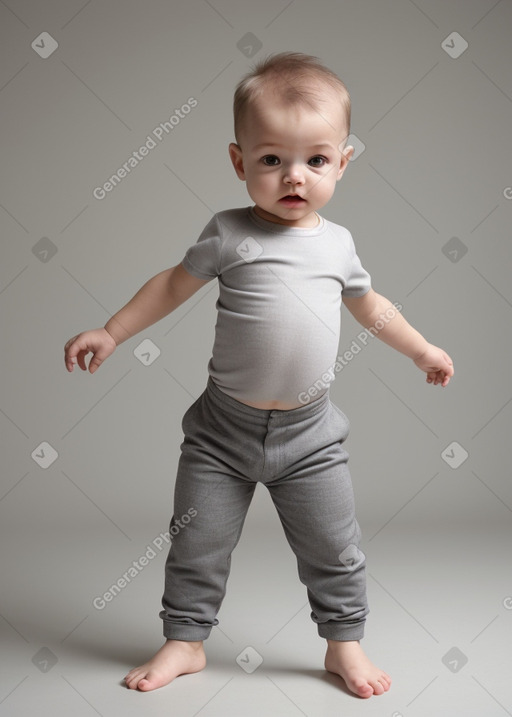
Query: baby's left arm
377, 314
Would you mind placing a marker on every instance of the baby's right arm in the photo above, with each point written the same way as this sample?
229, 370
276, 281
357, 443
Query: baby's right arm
157, 298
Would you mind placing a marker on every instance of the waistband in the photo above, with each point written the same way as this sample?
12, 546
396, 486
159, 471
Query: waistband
262, 415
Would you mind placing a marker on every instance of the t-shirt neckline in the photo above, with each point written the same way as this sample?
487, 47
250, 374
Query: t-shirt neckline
284, 228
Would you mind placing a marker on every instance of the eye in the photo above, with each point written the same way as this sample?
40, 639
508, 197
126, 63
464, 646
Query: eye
270, 160
317, 161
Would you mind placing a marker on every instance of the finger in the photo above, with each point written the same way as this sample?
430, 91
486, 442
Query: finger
71, 349
447, 373
70, 355
100, 355
70, 363
433, 377
68, 343
81, 359
94, 364
448, 368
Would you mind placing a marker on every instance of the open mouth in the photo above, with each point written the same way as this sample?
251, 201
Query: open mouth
292, 199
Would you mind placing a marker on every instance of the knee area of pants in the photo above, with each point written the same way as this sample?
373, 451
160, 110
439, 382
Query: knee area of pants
352, 557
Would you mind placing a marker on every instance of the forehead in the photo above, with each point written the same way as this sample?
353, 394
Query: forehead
271, 119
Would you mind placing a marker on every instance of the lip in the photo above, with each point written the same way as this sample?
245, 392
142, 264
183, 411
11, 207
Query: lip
292, 200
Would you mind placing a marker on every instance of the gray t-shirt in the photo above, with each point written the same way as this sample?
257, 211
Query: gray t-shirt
279, 305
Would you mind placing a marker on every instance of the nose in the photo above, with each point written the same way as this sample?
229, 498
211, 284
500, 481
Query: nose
294, 174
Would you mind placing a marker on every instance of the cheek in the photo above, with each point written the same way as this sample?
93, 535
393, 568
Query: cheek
257, 187
260, 182
327, 183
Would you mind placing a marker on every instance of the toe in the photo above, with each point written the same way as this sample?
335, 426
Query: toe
145, 685
363, 688
132, 679
365, 692
378, 688
385, 681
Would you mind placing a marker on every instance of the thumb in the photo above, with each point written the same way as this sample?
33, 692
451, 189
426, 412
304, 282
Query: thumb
99, 356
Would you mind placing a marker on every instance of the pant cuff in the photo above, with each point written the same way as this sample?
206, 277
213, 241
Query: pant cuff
187, 633
338, 631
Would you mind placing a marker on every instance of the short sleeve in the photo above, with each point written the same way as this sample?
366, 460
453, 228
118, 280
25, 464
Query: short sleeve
358, 281
202, 259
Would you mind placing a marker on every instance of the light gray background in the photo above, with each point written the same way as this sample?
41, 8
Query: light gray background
436, 165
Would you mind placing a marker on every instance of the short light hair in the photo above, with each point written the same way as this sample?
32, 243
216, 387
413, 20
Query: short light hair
296, 77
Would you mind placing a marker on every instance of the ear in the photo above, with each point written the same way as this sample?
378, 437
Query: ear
345, 159
235, 152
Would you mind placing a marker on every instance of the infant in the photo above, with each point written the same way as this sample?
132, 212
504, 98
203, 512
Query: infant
265, 414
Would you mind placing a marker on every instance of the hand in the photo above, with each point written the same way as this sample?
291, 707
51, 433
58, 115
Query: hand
98, 341
437, 365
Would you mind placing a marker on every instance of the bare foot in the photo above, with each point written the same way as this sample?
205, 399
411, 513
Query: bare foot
348, 660
175, 657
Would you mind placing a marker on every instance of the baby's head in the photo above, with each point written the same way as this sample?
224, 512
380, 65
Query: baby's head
292, 121
296, 80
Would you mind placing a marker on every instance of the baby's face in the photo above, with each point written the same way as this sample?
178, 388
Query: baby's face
290, 158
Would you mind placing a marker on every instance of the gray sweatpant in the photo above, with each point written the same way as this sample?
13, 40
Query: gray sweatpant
299, 456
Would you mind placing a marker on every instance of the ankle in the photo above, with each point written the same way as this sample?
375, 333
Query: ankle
337, 644
192, 645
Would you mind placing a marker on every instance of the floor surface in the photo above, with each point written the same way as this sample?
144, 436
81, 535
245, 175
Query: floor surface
440, 625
